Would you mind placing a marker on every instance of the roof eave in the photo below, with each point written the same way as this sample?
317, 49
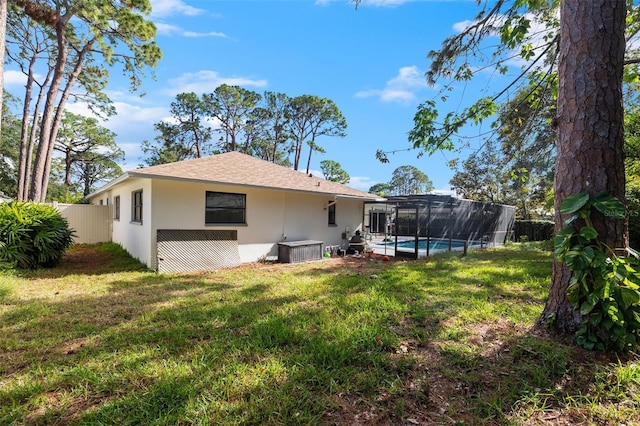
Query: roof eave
109, 185
182, 179
363, 198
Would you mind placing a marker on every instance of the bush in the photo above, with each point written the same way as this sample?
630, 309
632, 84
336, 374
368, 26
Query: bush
533, 230
32, 235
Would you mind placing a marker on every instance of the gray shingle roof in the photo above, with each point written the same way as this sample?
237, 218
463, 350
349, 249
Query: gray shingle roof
234, 168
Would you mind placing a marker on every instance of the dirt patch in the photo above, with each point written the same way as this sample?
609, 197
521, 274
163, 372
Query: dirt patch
85, 259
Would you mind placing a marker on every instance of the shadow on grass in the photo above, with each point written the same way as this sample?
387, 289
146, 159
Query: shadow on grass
366, 343
88, 259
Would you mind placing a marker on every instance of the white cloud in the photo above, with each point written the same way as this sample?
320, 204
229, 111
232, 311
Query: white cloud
383, 3
389, 95
125, 96
137, 114
363, 183
373, 3
14, 78
401, 88
192, 34
126, 114
357, 182
170, 30
461, 26
365, 3
368, 93
167, 29
79, 108
173, 7
207, 81
408, 77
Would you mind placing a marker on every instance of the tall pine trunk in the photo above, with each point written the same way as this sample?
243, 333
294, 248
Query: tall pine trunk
40, 179
590, 144
3, 36
52, 115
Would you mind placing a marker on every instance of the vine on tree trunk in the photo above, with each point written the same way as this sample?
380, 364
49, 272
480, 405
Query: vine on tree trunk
604, 287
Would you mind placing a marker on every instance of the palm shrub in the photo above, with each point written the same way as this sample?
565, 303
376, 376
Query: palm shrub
32, 235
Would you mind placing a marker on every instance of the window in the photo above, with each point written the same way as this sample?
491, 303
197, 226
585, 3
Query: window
377, 222
116, 207
332, 212
136, 206
224, 207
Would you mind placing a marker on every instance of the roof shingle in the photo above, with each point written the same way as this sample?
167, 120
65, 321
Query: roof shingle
234, 168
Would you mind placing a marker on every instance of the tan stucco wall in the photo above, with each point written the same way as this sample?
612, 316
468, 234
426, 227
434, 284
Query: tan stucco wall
271, 215
134, 237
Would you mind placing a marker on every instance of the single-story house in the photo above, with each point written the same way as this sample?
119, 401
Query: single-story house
4, 198
226, 209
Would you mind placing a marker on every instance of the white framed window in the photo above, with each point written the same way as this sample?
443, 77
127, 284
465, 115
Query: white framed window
331, 213
116, 207
136, 206
225, 208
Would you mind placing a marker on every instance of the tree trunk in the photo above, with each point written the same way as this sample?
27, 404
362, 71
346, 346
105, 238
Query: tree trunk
24, 161
40, 179
59, 113
525, 211
309, 158
3, 36
590, 154
68, 163
298, 151
275, 148
29, 132
54, 113
87, 180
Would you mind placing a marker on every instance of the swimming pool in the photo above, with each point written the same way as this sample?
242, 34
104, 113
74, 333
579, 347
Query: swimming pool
434, 244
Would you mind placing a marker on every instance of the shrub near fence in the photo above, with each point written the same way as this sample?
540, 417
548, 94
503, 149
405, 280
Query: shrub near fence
32, 235
534, 230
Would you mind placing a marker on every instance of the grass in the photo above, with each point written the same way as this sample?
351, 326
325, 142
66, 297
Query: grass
448, 340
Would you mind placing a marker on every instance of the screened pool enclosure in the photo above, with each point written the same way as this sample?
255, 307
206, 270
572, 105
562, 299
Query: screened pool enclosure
420, 225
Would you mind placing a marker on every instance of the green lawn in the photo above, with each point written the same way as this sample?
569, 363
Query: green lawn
447, 340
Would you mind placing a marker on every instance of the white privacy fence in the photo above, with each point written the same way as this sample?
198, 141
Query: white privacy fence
92, 224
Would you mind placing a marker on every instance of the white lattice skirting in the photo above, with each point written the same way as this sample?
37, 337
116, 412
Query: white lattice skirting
196, 250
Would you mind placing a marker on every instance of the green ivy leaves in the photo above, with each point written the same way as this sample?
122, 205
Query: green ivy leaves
605, 288
579, 206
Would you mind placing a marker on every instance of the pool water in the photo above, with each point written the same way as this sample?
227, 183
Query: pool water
434, 244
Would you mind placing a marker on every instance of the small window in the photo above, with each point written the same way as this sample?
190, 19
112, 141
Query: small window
332, 212
136, 206
116, 207
224, 207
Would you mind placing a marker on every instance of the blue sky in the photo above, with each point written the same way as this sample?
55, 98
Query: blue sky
370, 62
